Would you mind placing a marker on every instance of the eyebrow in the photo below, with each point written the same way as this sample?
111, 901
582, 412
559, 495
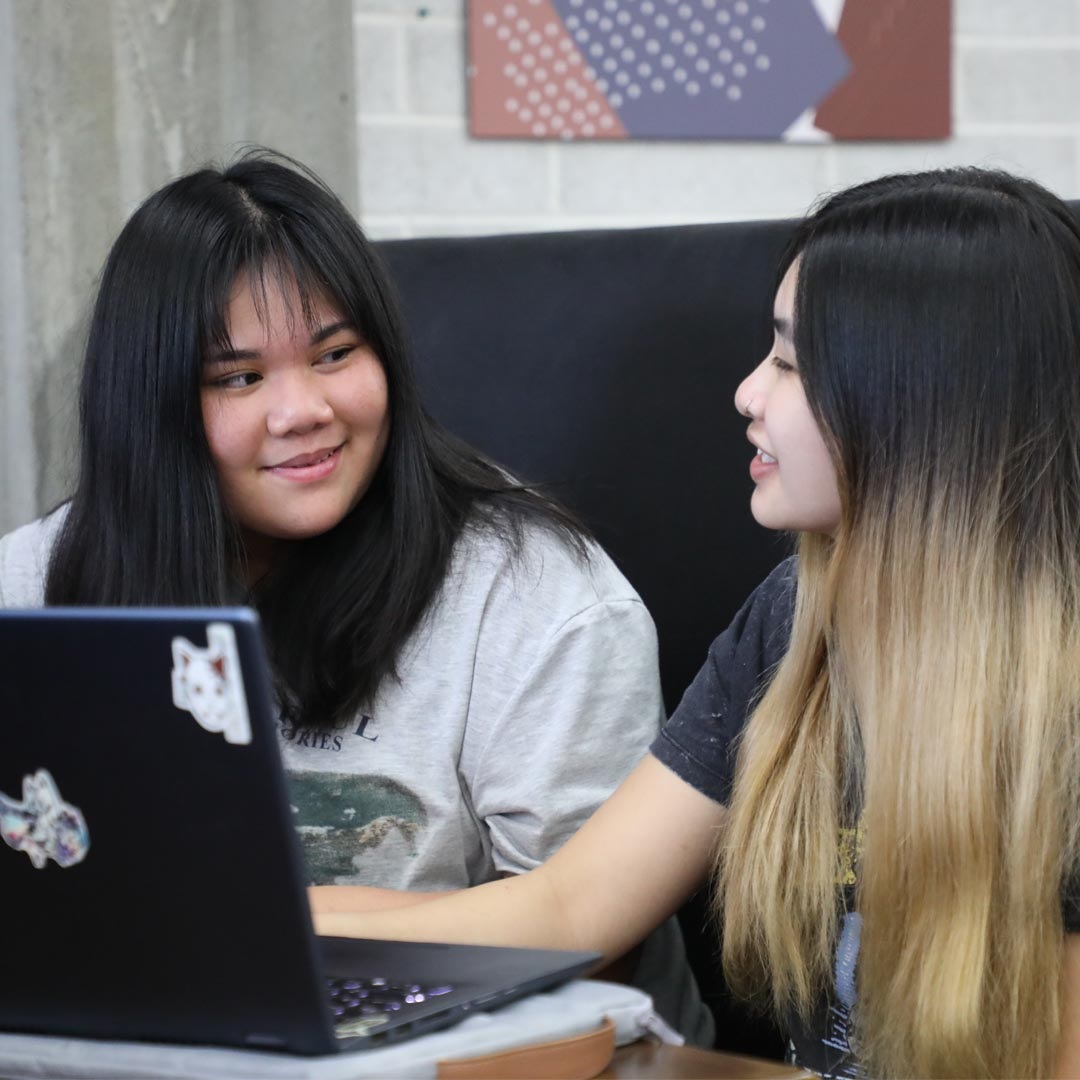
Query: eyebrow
783, 328
224, 356
330, 330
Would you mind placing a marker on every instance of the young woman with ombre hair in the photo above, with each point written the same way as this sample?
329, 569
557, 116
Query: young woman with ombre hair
880, 758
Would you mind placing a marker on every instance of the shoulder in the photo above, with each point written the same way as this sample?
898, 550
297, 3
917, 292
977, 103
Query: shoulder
540, 565
761, 629
699, 741
532, 612
24, 560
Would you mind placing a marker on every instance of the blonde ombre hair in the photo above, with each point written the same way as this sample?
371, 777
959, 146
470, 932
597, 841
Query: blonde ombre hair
931, 689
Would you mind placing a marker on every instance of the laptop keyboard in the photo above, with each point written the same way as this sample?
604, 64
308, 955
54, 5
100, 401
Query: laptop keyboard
361, 1006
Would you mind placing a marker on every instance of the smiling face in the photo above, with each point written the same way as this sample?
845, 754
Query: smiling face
793, 473
296, 418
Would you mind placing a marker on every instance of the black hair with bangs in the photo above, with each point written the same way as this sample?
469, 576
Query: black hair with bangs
146, 525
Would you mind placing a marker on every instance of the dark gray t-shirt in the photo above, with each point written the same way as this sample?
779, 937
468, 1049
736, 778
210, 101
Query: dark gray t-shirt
700, 742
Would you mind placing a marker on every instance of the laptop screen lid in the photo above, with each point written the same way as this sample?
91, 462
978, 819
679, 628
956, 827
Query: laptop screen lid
150, 868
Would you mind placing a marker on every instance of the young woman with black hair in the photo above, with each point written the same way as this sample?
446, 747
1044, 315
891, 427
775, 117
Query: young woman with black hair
881, 755
463, 676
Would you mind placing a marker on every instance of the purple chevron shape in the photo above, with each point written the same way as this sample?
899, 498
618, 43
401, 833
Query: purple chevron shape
706, 68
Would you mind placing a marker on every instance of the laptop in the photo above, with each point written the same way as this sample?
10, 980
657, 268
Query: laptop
151, 879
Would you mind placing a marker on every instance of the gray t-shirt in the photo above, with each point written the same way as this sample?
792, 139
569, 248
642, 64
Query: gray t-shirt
527, 693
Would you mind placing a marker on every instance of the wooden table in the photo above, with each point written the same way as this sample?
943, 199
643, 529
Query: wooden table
647, 1058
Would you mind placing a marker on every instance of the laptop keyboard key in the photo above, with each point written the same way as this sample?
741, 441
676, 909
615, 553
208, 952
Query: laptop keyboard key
367, 1000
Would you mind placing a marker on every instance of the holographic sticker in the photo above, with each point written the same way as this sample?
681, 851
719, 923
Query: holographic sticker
43, 825
207, 683
347, 1029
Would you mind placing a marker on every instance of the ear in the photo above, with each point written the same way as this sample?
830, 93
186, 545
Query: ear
183, 652
35, 791
218, 664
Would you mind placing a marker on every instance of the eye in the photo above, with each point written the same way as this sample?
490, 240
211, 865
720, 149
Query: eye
336, 355
236, 380
782, 365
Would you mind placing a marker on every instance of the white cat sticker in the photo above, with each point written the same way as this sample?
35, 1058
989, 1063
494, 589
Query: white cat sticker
43, 825
207, 683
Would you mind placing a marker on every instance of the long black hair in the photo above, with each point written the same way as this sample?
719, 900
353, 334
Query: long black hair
146, 524
911, 380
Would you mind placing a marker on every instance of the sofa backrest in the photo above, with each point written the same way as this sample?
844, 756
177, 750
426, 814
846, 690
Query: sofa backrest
603, 365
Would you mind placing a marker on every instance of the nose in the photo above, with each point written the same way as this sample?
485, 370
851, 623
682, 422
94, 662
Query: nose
300, 406
751, 392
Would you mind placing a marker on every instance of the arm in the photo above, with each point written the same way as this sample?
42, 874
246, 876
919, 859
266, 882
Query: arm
325, 899
632, 864
1068, 1053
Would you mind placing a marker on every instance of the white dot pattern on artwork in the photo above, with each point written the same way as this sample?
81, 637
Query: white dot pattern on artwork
634, 49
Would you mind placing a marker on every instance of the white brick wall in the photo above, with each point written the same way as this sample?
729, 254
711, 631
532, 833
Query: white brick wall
1016, 104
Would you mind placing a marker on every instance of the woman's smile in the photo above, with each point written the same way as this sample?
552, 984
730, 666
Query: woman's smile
307, 468
761, 466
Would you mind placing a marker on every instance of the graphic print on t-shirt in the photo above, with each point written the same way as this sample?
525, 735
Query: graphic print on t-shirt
342, 817
825, 1046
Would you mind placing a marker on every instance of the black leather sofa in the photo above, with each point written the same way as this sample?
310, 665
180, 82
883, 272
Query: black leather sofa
602, 365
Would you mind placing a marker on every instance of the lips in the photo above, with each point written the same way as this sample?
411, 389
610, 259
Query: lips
302, 461
761, 464
309, 468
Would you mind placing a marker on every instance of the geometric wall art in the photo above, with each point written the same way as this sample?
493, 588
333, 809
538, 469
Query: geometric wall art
794, 70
